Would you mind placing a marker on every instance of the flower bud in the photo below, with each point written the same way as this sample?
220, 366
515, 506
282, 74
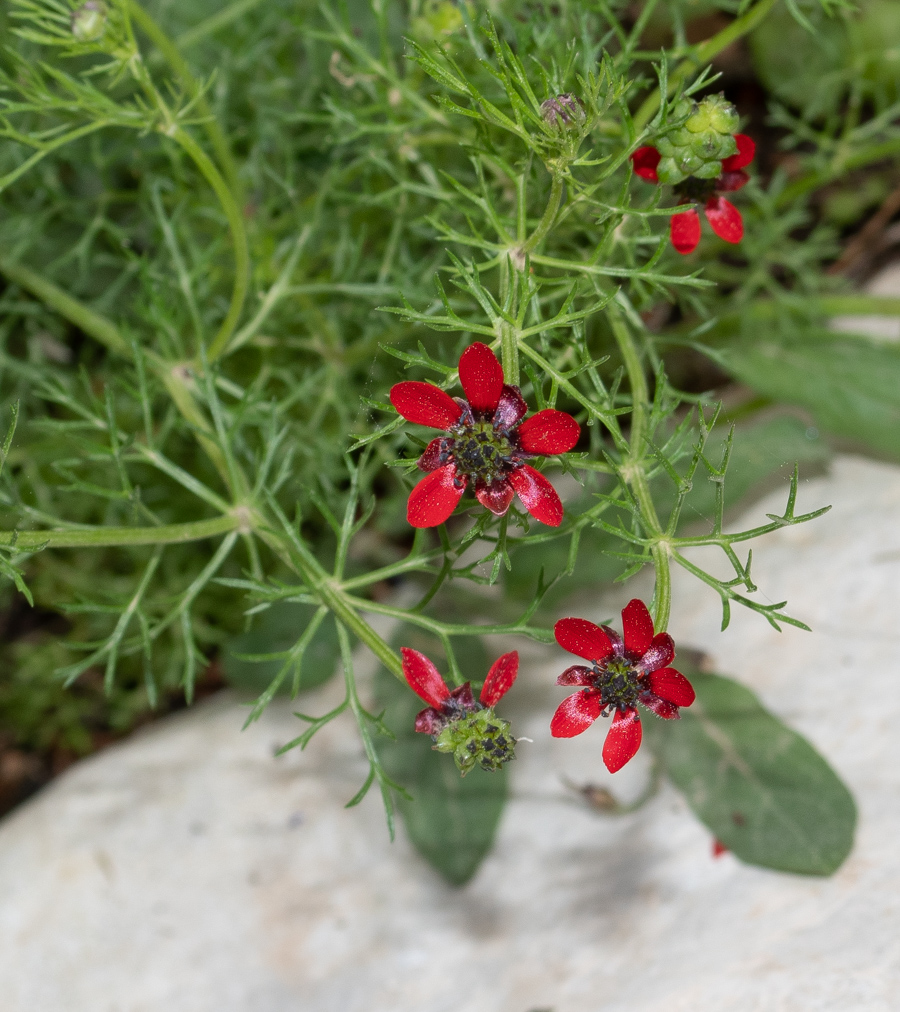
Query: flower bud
89, 21
480, 738
563, 110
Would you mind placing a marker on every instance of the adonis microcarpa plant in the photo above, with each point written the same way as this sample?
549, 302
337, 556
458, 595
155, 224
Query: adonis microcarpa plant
242, 271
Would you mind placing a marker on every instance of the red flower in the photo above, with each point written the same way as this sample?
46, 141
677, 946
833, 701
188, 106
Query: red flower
723, 217
446, 704
459, 724
623, 672
487, 442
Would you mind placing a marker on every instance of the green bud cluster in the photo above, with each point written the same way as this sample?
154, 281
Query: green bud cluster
703, 137
89, 21
480, 738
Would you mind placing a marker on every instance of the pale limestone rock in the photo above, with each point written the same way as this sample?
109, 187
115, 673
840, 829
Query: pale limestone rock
188, 871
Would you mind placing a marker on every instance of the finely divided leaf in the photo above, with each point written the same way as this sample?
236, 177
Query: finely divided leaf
252, 660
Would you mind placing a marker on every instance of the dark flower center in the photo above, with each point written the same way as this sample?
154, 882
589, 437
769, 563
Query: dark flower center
453, 709
697, 190
619, 683
480, 451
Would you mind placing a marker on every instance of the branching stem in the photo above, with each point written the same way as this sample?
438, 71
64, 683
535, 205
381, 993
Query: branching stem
635, 472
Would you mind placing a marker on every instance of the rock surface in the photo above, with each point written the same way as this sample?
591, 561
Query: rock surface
188, 871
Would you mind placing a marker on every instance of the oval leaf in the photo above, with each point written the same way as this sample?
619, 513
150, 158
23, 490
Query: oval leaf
760, 787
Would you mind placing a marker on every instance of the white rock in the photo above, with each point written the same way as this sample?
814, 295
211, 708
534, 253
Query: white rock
188, 871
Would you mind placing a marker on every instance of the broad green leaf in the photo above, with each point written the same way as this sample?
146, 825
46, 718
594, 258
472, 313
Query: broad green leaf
760, 787
851, 385
275, 631
451, 820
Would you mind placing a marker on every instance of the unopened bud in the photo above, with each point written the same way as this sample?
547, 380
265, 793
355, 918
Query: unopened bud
565, 110
480, 738
89, 21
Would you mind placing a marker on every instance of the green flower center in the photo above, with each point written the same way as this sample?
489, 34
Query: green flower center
480, 738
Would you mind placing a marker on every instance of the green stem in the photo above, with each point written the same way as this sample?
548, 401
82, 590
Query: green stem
703, 53
93, 324
238, 235
108, 537
215, 22
330, 594
634, 470
440, 628
509, 339
177, 62
549, 216
509, 353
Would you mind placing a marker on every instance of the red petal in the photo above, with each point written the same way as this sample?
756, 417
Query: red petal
582, 638
725, 219
672, 686
425, 404
462, 696
500, 678
718, 848
549, 431
645, 161
538, 495
728, 182
661, 653
668, 711
575, 714
435, 454
637, 627
746, 149
496, 496
481, 376
435, 497
684, 231
576, 675
511, 408
429, 721
622, 740
423, 677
